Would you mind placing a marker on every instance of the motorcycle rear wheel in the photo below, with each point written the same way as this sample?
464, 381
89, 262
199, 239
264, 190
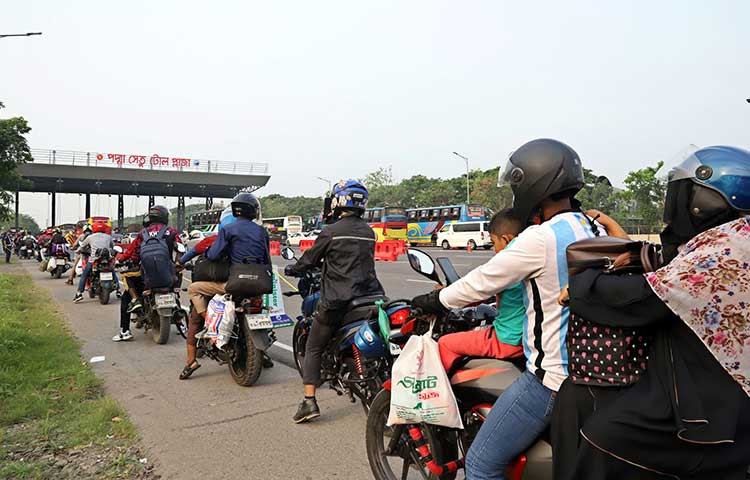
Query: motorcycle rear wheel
58, 272
299, 343
160, 328
104, 294
405, 458
247, 361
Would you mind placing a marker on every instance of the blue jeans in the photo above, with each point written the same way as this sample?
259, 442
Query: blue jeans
520, 415
85, 275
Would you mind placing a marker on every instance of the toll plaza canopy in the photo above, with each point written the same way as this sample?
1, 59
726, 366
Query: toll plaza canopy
67, 171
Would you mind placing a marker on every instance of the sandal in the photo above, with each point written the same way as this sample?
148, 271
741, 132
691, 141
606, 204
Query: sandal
189, 369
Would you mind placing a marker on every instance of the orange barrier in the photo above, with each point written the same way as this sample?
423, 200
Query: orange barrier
400, 247
387, 250
305, 245
275, 248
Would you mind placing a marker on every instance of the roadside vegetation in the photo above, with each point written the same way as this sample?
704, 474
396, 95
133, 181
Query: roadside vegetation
55, 421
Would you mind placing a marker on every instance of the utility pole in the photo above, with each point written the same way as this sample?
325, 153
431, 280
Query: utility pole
330, 185
467, 174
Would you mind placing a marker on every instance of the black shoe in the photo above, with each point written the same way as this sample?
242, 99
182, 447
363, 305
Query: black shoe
307, 410
267, 362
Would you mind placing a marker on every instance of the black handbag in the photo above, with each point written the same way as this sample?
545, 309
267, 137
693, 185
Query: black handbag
205, 270
250, 279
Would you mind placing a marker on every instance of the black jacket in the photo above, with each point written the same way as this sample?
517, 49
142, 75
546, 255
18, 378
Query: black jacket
346, 251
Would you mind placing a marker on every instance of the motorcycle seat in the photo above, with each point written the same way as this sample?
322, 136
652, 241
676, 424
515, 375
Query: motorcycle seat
360, 313
365, 301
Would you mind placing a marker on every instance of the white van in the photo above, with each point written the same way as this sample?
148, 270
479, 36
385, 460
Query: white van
476, 234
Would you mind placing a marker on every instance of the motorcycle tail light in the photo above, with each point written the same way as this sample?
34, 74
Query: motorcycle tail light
253, 305
408, 327
398, 317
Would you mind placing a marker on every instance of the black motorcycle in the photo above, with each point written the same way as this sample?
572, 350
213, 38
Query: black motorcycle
423, 451
101, 278
357, 360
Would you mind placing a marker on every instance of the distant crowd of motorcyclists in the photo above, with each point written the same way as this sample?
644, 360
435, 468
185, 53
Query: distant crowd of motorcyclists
637, 375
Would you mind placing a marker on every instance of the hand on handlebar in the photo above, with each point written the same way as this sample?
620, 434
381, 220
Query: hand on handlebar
289, 271
429, 303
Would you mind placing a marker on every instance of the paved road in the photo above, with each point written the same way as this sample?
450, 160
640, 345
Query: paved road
210, 427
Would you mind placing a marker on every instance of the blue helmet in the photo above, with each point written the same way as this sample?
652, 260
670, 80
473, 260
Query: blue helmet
709, 187
348, 195
226, 217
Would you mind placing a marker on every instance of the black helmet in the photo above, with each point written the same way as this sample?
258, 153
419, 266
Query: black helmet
245, 205
156, 214
538, 170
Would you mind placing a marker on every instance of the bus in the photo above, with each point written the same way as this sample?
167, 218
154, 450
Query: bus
389, 223
280, 228
206, 222
425, 222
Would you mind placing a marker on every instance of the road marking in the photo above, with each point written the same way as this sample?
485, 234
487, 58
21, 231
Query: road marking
419, 281
283, 346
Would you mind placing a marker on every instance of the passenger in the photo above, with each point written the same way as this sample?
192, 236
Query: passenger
83, 254
687, 415
346, 251
239, 240
544, 175
503, 341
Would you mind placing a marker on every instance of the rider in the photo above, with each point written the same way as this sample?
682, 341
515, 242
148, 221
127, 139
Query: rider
154, 221
7, 244
58, 244
83, 254
239, 240
96, 242
346, 250
544, 175
504, 339
688, 415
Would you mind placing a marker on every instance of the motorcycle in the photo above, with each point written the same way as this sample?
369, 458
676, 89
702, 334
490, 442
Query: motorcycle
161, 309
358, 358
100, 280
24, 253
58, 264
431, 452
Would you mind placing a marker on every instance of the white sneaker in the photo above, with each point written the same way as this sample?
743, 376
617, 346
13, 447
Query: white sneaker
123, 336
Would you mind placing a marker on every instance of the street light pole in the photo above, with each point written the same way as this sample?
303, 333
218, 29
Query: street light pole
327, 181
19, 34
467, 174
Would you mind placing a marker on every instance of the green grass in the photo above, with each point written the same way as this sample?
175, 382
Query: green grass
51, 403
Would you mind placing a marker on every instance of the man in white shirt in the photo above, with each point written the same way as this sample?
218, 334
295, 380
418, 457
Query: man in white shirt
544, 175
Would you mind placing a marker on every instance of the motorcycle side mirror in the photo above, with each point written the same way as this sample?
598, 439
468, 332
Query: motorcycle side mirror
287, 254
117, 249
422, 263
180, 247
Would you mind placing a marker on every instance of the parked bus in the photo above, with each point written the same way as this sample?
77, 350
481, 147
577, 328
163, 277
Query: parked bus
280, 228
425, 223
389, 223
206, 222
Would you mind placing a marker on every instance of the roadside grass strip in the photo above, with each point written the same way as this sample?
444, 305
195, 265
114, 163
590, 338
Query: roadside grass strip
55, 420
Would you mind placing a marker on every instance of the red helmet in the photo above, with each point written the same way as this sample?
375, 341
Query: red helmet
99, 227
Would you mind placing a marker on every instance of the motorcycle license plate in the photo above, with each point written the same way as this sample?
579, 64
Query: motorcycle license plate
165, 301
395, 349
258, 321
105, 276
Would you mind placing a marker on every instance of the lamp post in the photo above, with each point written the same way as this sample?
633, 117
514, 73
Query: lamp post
327, 181
467, 174
3, 35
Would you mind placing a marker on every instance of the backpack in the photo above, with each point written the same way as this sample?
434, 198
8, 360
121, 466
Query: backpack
156, 262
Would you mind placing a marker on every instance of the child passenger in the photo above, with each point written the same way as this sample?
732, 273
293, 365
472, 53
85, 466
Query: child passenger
503, 340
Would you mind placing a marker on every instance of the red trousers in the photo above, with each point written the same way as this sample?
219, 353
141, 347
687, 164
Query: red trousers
476, 343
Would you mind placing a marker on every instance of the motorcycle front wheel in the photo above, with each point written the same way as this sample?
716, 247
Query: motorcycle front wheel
299, 343
402, 462
246, 362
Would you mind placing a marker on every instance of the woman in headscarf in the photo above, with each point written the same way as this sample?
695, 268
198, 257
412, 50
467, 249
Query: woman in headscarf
687, 413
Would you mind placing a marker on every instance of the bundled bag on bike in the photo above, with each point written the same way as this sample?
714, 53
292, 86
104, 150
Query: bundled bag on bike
205, 270
156, 262
420, 389
220, 318
249, 280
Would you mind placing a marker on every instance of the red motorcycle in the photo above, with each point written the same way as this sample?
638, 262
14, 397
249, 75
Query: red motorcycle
423, 451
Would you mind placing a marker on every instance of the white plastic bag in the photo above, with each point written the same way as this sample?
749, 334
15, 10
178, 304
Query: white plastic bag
420, 388
51, 264
220, 319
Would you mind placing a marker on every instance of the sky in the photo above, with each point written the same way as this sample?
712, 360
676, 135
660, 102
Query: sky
336, 89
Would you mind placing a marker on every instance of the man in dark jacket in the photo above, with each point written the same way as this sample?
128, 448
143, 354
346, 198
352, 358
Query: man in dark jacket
346, 250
